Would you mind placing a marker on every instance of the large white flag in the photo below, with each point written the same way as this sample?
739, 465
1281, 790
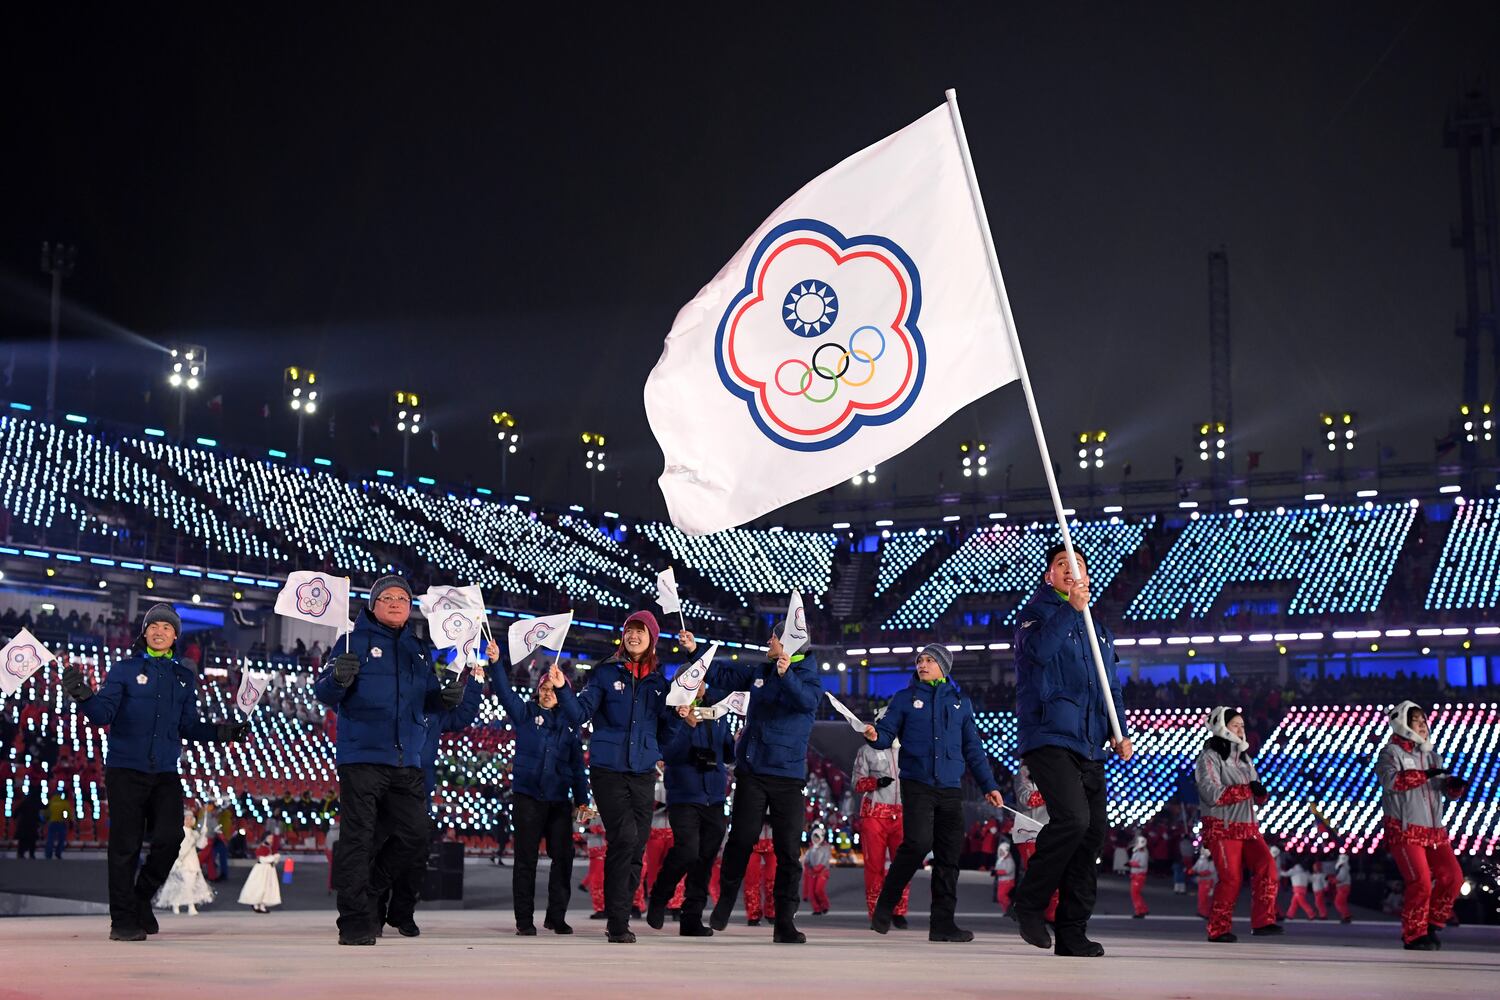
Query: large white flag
22, 656
316, 597
794, 632
530, 634
856, 319
666, 592
687, 683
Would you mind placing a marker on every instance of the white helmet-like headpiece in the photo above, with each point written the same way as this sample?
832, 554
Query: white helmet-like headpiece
1399, 715
1003, 847
1140, 841
1217, 725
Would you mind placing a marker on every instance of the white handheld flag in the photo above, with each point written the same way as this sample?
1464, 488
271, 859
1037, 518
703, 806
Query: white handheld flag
687, 683
856, 319
838, 707
22, 656
316, 597
457, 627
737, 703
530, 634
794, 633
439, 599
252, 686
666, 592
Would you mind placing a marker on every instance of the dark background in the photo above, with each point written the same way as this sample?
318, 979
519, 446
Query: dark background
504, 210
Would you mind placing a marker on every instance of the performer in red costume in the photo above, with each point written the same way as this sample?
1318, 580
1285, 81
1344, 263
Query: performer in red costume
1413, 782
1032, 807
876, 779
1140, 862
1229, 790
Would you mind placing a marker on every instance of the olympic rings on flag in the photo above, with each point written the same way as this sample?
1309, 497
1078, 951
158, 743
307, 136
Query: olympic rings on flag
839, 372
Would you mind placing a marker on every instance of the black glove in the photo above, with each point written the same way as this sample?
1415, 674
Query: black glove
232, 732
1258, 790
1433, 772
1455, 786
885, 781
345, 668
74, 684
452, 694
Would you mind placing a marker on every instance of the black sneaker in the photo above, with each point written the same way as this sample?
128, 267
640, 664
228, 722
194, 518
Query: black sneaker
359, 939
719, 918
621, 937
656, 914
597, 915
881, 920
635, 913
525, 930
694, 928
557, 926
956, 935
1268, 930
752, 921
126, 934
408, 929
1423, 943
146, 916
1082, 948
897, 921
1033, 927
1228, 937
787, 933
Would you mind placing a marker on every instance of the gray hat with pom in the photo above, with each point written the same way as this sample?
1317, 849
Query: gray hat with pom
162, 613
387, 583
940, 653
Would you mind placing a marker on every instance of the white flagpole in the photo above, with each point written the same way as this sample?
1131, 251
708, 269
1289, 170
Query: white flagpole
348, 589
1036, 419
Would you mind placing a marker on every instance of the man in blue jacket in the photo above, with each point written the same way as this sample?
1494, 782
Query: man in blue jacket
770, 773
1064, 726
694, 753
548, 768
400, 898
150, 702
934, 721
383, 689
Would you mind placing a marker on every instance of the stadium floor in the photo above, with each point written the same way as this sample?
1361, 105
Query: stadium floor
227, 953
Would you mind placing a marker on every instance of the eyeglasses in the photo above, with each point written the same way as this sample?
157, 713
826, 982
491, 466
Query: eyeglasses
394, 601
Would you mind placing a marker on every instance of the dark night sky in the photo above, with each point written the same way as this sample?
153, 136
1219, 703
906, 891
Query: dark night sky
506, 212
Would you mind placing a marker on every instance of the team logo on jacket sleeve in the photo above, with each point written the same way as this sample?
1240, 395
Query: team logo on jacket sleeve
823, 339
917, 703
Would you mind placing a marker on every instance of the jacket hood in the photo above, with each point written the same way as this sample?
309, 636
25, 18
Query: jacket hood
1398, 716
1216, 725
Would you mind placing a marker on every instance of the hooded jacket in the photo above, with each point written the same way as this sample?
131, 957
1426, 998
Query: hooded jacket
1223, 775
150, 704
1058, 697
1029, 802
1412, 802
935, 724
383, 717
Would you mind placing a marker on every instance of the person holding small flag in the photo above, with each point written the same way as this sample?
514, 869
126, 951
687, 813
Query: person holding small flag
383, 688
149, 700
934, 720
770, 773
625, 698
548, 770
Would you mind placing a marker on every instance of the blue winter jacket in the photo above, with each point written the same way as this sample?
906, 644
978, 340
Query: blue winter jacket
1058, 698
626, 713
780, 719
935, 724
549, 750
686, 782
455, 720
150, 704
383, 715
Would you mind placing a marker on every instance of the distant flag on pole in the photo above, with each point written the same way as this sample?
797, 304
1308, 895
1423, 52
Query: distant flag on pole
252, 686
449, 598
22, 656
857, 318
316, 597
530, 634
794, 633
687, 683
666, 591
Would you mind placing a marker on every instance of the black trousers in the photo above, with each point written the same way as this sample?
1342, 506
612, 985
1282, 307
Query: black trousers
535, 819
932, 819
398, 900
625, 803
756, 796
374, 798
697, 832
140, 804
1067, 848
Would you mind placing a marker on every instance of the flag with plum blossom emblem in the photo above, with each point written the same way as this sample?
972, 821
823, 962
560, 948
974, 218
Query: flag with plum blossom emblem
859, 316
320, 598
21, 657
530, 634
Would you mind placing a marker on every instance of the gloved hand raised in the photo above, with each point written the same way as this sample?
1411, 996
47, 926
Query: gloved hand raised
1433, 772
1258, 790
345, 668
233, 732
885, 781
75, 685
453, 694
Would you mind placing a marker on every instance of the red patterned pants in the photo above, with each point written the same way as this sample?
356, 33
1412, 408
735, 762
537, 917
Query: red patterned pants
1432, 879
815, 887
1300, 901
658, 843
1137, 895
1205, 896
1024, 852
1003, 888
596, 878
1231, 858
880, 835
1341, 900
1320, 900
760, 877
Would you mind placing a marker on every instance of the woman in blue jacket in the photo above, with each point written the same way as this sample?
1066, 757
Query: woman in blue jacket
150, 702
625, 698
934, 721
548, 769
